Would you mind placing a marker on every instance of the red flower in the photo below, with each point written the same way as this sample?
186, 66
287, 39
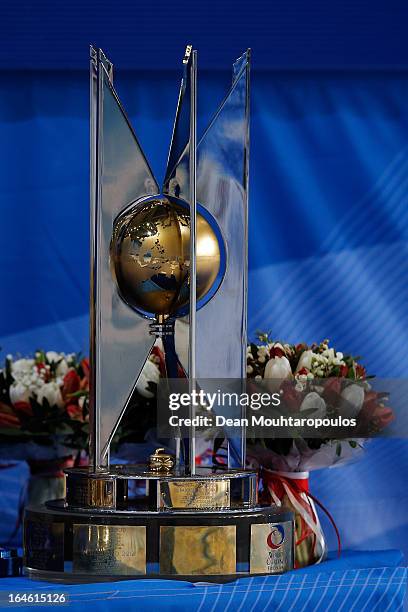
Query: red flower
24, 407
343, 371
332, 390
374, 414
276, 351
9, 421
71, 383
291, 398
85, 367
383, 415
84, 386
75, 412
303, 371
42, 369
360, 371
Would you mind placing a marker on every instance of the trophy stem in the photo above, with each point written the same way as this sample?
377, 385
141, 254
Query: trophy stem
163, 328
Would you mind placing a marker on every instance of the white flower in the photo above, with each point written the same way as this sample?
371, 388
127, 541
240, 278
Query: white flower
305, 360
62, 368
53, 356
19, 393
21, 367
150, 373
52, 393
250, 369
315, 402
353, 396
329, 354
278, 367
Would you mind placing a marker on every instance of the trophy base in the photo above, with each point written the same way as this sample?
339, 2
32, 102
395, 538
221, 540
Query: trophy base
81, 546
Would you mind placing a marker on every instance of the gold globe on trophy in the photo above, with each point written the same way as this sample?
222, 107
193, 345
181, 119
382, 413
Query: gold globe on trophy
150, 256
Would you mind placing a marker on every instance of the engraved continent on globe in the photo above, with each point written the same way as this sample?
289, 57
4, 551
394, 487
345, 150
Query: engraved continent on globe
150, 256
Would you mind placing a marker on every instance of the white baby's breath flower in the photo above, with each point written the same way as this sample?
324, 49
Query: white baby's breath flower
263, 351
21, 367
53, 356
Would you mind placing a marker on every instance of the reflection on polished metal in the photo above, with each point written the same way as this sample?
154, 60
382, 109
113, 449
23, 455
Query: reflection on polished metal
159, 491
198, 550
109, 550
157, 257
196, 494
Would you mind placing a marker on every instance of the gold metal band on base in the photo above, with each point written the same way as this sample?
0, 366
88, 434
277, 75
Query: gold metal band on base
219, 545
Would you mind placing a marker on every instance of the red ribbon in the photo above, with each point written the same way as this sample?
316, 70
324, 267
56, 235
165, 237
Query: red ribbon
299, 488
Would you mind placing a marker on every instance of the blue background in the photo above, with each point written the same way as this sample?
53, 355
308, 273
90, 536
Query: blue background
328, 194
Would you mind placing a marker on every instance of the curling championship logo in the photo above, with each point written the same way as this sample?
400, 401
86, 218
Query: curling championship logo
276, 537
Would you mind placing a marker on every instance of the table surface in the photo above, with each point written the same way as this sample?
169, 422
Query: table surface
357, 581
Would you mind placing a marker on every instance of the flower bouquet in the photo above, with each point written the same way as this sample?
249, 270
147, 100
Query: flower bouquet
44, 415
320, 381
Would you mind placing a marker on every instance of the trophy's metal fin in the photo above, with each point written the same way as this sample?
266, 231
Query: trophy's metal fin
182, 159
179, 146
120, 339
222, 188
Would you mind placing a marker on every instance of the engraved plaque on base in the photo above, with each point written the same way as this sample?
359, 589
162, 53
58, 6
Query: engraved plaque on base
109, 549
195, 494
188, 551
44, 545
271, 548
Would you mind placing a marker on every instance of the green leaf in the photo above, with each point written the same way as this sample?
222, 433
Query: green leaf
81, 393
64, 429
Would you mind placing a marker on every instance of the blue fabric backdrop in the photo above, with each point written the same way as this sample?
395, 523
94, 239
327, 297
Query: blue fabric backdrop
328, 231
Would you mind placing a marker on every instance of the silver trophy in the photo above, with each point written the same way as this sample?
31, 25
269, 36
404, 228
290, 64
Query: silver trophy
167, 263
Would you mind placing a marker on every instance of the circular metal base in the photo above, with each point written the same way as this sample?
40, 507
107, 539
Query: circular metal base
135, 489
65, 545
